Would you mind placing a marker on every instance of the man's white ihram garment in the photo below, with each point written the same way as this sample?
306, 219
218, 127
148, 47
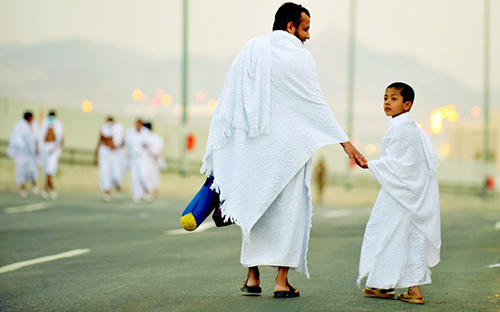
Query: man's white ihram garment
119, 162
50, 151
270, 119
22, 149
137, 143
106, 180
155, 159
403, 236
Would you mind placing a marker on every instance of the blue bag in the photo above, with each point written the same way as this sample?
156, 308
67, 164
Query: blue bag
203, 203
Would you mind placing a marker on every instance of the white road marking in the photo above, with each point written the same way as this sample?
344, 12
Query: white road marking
26, 208
338, 213
201, 228
18, 265
497, 226
496, 265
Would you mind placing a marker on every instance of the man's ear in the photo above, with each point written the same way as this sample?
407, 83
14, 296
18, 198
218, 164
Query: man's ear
290, 28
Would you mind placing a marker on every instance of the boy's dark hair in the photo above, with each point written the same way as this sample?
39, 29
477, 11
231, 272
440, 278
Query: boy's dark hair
27, 115
288, 12
52, 113
148, 125
406, 91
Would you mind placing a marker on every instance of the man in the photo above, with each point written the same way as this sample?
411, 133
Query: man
270, 119
156, 159
51, 140
23, 149
110, 172
137, 142
119, 163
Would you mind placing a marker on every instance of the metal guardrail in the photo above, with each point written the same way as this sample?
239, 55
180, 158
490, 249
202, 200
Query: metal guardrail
79, 156
86, 157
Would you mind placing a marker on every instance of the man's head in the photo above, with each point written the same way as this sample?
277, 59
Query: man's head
398, 99
52, 117
294, 19
148, 125
138, 125
28, 116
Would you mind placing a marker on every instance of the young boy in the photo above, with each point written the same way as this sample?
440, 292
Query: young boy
402, 238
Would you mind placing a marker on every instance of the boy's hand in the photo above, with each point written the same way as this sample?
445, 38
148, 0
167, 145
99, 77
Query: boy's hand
355, 155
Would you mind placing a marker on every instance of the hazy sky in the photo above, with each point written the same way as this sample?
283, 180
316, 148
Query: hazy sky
444, 34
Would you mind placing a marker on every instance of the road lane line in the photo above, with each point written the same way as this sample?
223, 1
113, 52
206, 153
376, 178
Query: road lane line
201, 228
338, 213
18, 265
26, 208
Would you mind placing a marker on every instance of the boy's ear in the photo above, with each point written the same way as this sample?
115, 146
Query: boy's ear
408, 105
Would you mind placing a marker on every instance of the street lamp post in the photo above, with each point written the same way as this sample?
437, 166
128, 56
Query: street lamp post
350, 81
486, 95
184, 79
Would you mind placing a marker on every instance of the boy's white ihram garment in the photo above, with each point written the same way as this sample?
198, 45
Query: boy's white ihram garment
22, 149
270, 119
403, 236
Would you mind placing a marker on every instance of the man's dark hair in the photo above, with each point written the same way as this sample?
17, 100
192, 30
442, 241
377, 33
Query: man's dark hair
148, 125
52, 113
288, 12
406, 91
27, 115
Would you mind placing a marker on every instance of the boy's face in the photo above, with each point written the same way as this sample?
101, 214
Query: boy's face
393, 103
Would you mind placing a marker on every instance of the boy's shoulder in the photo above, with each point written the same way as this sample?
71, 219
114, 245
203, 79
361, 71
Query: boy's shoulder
403, 127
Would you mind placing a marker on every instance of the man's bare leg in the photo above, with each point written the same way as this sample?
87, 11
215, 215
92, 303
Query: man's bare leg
253, 277
282, 280
49, 185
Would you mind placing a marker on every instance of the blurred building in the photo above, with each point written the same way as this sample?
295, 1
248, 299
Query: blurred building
467, 139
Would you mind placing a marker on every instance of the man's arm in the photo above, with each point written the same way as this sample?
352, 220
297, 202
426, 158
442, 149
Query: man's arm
354, 154
96, 155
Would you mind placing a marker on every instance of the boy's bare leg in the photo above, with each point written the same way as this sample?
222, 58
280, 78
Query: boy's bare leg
253, 277
282, 280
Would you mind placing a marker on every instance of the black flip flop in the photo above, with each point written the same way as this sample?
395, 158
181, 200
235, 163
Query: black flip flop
287, 294
251, 290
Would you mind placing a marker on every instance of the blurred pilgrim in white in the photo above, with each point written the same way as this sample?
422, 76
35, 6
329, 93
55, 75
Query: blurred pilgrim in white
137, 142
23, 149
156, 159
111, 171
51, 140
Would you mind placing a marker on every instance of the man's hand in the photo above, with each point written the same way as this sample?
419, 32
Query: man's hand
355, 155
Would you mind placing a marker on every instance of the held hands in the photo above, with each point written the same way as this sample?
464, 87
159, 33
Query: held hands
355, 155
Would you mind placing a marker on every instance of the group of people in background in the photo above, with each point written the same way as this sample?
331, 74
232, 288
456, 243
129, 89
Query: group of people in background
145, 159
32, 146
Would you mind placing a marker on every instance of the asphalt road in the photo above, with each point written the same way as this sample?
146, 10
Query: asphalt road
132, 258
